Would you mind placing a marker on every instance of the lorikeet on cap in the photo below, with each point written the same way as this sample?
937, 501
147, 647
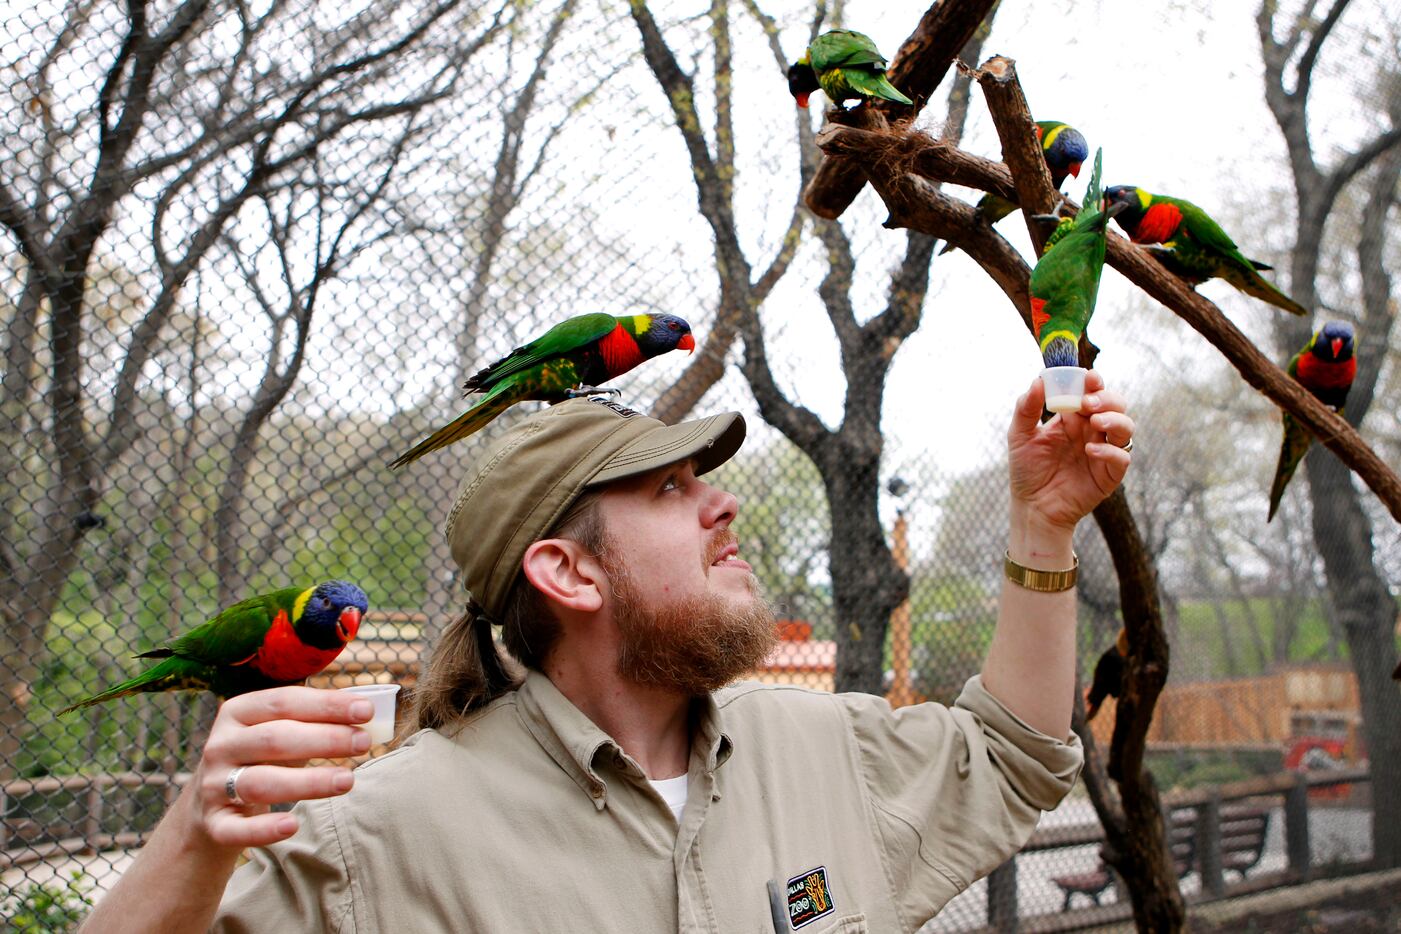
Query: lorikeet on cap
1065, 150
1065, 282
571, 359
845, 65
1192, 244
1325, 366
279, 638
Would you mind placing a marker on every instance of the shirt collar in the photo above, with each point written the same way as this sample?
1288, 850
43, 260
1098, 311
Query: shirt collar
579, 747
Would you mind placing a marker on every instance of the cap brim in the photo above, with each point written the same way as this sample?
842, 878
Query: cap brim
708, 441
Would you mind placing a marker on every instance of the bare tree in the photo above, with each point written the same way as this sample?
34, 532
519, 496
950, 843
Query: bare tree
193, 102
867, 585
1363, 603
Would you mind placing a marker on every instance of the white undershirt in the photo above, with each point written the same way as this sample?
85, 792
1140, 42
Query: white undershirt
673, 792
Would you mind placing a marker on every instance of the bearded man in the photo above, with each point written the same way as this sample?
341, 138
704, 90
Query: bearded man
609, 779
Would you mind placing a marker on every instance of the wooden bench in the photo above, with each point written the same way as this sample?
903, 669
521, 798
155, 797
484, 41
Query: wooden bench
1242, 832
1182, 841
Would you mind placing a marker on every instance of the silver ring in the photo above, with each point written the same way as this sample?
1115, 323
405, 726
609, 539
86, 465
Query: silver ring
231, 786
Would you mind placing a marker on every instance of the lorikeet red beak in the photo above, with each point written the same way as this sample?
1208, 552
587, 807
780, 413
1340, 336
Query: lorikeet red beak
803, 100
349, 623
687, 342
1337, 344
1075, 169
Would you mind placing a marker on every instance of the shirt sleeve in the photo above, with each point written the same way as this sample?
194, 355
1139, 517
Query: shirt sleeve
955, 790
299, 884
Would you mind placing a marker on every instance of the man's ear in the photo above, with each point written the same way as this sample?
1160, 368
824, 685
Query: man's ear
565, 573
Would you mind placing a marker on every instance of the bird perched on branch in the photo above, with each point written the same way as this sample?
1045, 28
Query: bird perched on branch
1108, 680
573, 358
845, 65
1193, 245
1326, 367
1064, 149
1065, 282
275, 639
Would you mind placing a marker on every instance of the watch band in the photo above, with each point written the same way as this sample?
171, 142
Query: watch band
1041, 581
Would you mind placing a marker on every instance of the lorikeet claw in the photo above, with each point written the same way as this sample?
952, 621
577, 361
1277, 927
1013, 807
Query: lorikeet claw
583, 391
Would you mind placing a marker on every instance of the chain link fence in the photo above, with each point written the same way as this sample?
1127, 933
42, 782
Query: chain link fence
250, 253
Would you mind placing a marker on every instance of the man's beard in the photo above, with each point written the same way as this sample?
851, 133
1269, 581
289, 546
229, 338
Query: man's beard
692, 645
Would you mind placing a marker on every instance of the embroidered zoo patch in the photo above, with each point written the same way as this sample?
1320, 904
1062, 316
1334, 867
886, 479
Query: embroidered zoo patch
809, 898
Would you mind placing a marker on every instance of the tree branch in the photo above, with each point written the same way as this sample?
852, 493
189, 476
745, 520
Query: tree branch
919, 65
1020, 150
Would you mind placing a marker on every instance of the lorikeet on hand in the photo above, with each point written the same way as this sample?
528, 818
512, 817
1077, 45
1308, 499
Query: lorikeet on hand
1192, 244
845, 65
1109, 675
570, 359
1065, 150
1065, 282
1325, 367
279, 638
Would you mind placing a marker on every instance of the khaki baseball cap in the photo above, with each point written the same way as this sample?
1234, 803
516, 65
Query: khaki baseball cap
529, 477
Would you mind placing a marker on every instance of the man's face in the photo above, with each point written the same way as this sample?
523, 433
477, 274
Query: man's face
687, 607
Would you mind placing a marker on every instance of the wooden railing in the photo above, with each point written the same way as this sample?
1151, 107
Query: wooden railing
93, 790
1003, 915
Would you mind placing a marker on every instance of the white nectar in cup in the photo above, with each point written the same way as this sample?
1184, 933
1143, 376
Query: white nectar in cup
1065, 386
381, 726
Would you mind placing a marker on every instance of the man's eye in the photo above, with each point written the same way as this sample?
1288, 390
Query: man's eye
671, 483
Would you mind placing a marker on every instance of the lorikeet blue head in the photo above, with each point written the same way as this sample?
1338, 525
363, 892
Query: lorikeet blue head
1135, 203
1065, 150
802, 81
666, 332
1333, 342
332, 615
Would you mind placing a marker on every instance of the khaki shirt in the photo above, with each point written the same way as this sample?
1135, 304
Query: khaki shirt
530, 819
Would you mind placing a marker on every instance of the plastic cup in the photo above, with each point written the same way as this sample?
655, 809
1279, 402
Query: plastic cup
1065, 387
381, 726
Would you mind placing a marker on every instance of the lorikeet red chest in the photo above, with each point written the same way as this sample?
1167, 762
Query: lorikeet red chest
1317, 373
283, 656
619, 351
1159, 223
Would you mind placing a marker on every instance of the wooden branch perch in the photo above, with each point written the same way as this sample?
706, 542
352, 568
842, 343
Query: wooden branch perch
1020, 150
919, 65
896, 165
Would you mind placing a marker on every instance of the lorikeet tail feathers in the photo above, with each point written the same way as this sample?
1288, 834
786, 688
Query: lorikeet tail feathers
171, 674
1252, 283
472, 420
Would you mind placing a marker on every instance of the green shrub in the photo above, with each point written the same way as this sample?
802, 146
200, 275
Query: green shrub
48, 908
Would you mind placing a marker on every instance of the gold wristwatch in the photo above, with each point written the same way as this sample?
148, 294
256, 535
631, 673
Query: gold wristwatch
1041, 581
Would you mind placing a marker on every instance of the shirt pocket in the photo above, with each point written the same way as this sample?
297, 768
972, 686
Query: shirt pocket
847, 924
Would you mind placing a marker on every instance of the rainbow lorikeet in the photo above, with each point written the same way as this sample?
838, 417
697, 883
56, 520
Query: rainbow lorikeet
845, 65
570, 359
1108, 679
1065, 151
1325, 366
1065, 282
1193, 245
279, 638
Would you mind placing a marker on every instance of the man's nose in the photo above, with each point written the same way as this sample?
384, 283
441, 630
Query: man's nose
721, 507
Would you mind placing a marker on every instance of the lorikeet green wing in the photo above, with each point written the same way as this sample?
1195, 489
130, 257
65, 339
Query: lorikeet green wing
846, 65
1065, 283
278, 638
1326, 367
576, 355
1193, 244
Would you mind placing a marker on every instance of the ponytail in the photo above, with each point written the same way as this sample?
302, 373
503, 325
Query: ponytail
465, 673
